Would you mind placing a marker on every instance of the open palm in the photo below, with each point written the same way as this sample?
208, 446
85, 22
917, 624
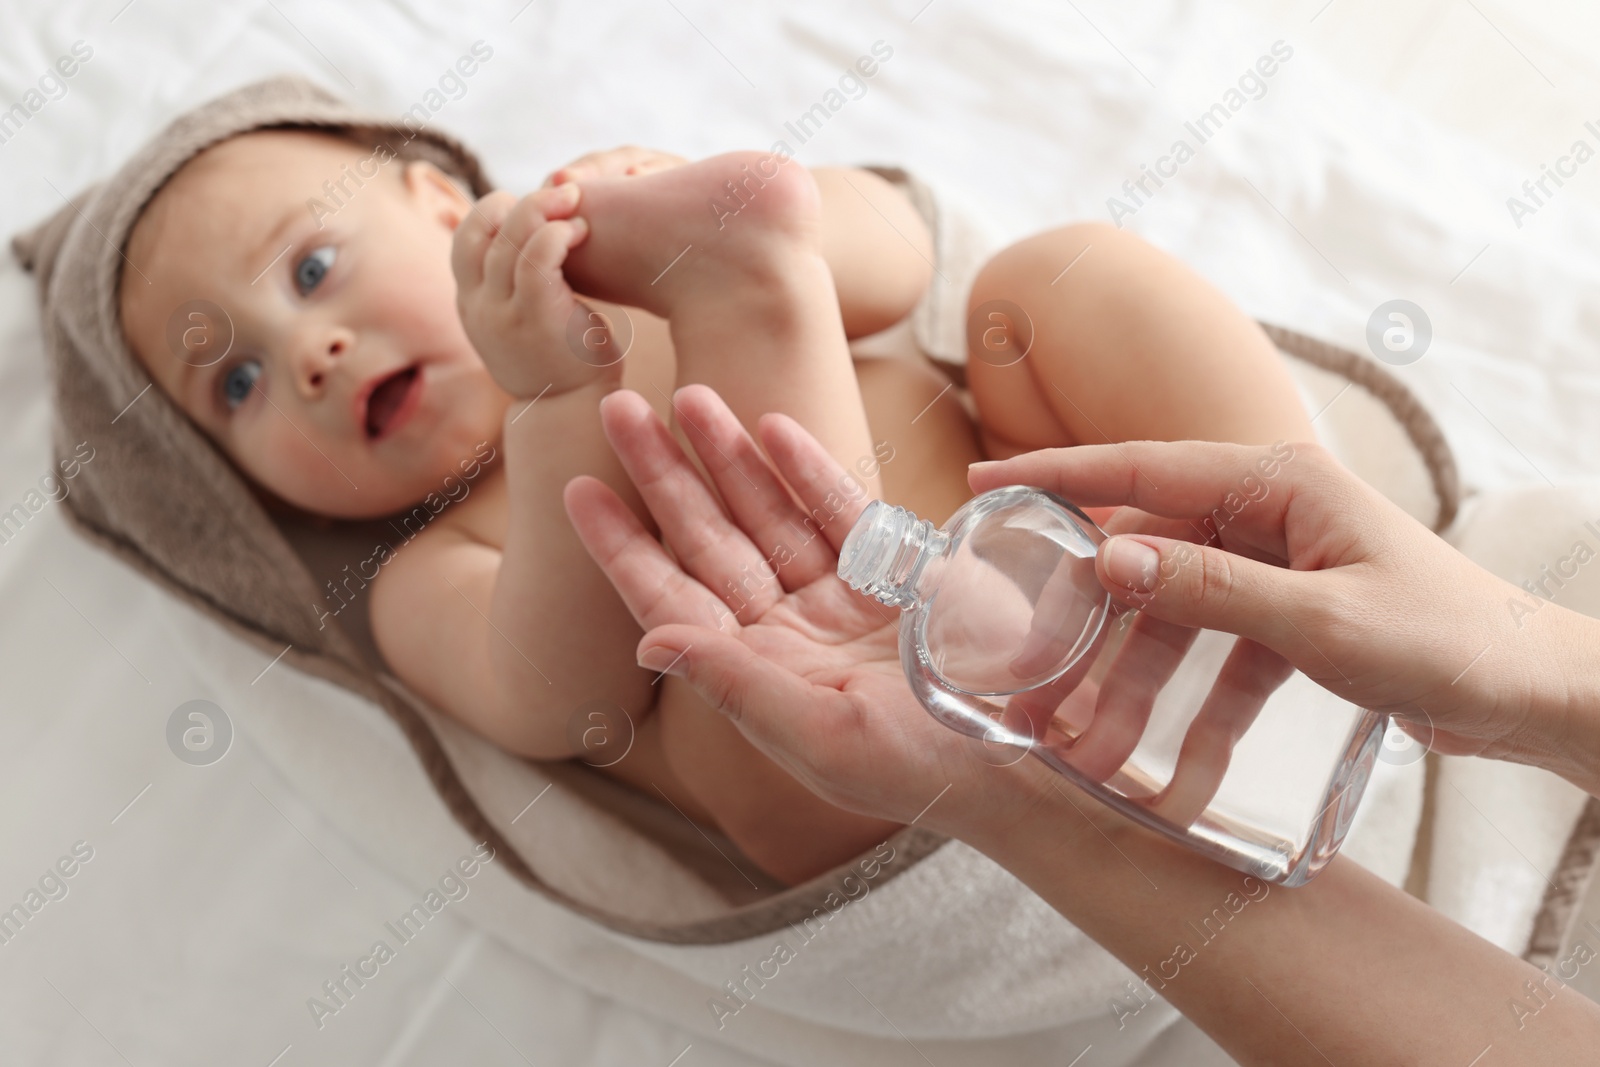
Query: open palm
751, 613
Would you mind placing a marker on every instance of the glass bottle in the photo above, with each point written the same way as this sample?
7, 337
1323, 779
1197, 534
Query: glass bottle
1007, 635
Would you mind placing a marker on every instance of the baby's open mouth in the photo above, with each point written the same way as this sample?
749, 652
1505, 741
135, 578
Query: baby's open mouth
388, 399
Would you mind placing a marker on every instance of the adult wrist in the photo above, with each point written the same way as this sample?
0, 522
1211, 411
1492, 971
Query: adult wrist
1564, 716
1041, 813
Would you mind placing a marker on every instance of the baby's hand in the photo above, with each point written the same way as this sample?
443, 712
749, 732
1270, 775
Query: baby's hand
627, 161
514, 301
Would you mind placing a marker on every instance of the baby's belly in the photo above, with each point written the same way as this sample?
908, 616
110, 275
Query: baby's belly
912, 407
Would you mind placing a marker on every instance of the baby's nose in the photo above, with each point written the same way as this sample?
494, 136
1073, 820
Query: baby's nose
320, 357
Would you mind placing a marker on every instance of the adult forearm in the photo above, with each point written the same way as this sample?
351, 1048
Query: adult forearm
1347, 969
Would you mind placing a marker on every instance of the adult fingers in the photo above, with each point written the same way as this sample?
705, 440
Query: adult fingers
1264, 543
1248, 677
1067, 606
651, 584
1183, 479
760, 504
708, 546
1145, 663
832, 497
1203, 587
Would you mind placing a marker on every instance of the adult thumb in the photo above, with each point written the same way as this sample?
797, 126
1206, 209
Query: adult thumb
1204, 587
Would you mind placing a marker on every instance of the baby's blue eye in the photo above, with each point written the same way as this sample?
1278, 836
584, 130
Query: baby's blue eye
310, 271
238, 380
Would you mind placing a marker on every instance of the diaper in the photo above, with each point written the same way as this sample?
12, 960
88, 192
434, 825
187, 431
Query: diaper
937, 326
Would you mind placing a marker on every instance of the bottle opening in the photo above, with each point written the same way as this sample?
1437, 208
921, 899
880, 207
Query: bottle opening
886, 553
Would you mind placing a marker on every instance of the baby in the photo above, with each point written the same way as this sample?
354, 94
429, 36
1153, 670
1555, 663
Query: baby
376, 349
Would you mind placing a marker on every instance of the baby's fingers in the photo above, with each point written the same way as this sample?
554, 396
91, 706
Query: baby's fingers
538, 267
505, 255
473, 236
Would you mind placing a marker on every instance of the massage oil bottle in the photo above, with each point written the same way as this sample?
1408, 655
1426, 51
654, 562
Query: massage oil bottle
1007, 635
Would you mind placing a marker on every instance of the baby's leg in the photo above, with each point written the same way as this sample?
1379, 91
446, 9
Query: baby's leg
741, 279
1128, 344
729, 251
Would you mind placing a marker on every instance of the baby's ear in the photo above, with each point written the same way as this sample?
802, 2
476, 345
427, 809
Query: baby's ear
436, 192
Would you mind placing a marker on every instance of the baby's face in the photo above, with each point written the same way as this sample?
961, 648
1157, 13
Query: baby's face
337, 376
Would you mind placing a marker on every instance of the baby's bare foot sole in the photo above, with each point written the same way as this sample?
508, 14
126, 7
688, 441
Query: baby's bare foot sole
731, 220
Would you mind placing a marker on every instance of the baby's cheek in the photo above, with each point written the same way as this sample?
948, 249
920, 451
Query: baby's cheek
417, 299
287, 464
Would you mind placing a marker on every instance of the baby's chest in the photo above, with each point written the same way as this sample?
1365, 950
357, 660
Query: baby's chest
481, 514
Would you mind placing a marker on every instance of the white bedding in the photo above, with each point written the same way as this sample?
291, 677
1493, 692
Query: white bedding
219, 901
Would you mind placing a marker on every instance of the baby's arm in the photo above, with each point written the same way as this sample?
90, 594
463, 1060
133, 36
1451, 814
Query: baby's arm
512, 641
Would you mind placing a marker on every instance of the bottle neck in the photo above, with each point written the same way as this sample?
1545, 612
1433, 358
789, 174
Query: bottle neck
887, 554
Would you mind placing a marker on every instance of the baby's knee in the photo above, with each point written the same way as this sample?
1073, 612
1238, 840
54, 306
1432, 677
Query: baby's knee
1082, 259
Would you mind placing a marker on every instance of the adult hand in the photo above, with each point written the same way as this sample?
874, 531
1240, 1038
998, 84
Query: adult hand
809, 669
1320, 568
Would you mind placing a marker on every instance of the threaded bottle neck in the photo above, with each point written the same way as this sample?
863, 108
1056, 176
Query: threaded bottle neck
887, 553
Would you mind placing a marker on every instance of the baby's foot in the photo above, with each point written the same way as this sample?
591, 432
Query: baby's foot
696, 229
729, 251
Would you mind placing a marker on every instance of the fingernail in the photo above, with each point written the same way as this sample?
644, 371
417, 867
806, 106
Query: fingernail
664, 660
580, 229
1132, 563
982, 465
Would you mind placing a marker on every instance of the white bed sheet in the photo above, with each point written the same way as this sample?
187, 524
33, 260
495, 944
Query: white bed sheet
217, 902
